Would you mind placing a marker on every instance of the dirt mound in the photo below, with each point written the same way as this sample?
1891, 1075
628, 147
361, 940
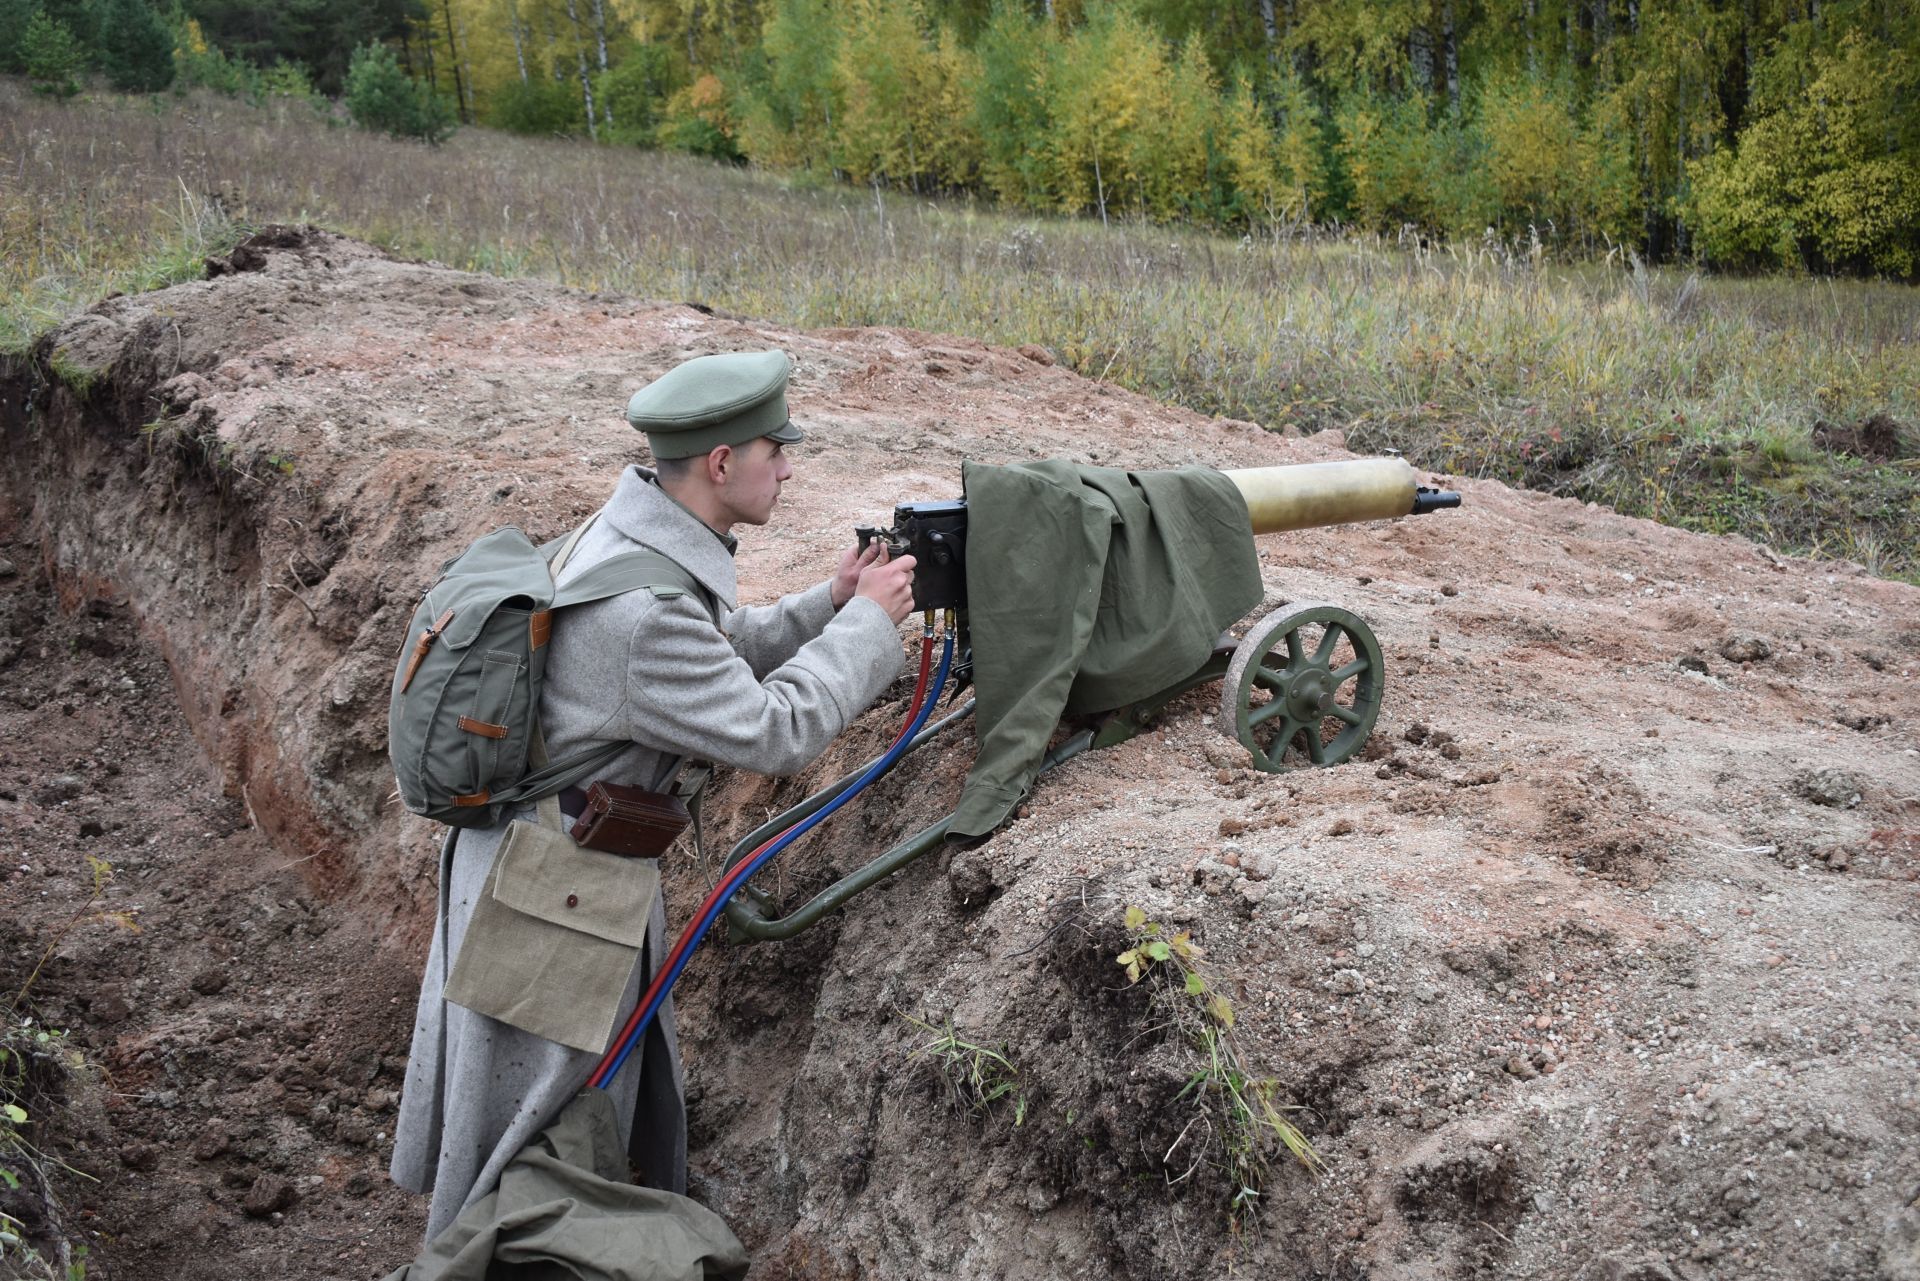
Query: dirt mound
1877, 439
1592, 967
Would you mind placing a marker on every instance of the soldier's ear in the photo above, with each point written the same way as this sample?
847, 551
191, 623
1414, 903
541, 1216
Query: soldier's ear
719, 463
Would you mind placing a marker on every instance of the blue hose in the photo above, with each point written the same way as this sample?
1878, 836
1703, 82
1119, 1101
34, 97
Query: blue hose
878, 768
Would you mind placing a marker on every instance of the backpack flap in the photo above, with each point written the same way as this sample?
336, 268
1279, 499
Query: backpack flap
502, 569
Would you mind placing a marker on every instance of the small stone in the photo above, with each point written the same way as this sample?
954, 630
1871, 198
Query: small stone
969, 880
1232, 826
140, 1156
1341, 827
110, 1007
7, 568
1744, 647
1213, 877
1831, 787
359, 1184
1521, 1068
1258, 865
210, 981
61, 787
1348, 982
1226, 756
269, 1194
1542, 1022
211, 1144
1417, 733
1691, 663
1449, 589
1450, 750
1363, 950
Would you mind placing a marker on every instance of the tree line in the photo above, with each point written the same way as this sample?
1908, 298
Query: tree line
1745, 133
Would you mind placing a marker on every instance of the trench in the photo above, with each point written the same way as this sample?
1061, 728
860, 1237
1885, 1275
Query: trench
811, 1103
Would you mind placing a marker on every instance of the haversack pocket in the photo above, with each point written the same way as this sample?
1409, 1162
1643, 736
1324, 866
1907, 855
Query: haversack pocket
554, 937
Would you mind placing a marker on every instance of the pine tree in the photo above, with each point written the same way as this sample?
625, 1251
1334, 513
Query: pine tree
381, 96
14, 16
136, 47
52, 57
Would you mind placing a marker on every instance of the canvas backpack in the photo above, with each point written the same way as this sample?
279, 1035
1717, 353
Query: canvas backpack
461, 726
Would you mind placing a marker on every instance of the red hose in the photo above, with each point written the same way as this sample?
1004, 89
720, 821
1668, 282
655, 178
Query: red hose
728, 885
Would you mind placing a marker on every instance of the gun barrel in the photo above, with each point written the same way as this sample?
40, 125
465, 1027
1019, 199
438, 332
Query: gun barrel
1310, 495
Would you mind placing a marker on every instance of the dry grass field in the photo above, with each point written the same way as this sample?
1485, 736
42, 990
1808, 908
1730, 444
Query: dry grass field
1783, 409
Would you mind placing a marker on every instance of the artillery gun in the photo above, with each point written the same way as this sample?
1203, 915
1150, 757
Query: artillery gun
1301, 689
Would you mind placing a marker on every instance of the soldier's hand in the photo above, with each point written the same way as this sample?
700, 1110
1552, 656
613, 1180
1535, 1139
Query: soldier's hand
846, 579
889, 584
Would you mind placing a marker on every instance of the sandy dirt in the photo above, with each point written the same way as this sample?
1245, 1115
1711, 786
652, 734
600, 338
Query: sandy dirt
1602, 961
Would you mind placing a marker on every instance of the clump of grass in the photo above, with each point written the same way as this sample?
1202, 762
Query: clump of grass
977, 1077
1604, 380
1237, 1122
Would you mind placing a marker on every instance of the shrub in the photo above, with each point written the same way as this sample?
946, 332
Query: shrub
1270, 153
1387, 151
636, 92
380, 96
198, 63
290, 80
1013, 108
1820, 177
697, 121
52, 57
136, 47
14, 16
541, 106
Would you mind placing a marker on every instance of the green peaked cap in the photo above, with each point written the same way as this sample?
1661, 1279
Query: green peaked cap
715, 400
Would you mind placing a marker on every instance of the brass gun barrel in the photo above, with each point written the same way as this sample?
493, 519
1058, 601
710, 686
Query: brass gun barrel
1310, 495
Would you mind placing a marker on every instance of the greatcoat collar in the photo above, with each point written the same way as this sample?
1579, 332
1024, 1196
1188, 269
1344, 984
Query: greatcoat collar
648, 515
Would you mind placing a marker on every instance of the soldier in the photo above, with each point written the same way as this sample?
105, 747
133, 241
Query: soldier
678, 676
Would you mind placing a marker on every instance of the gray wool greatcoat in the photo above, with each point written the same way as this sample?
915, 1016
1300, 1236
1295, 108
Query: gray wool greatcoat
763, 689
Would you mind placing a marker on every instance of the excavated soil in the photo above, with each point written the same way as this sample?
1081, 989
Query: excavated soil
1602, 960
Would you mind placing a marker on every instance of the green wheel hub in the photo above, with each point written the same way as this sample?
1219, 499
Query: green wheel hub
1304, 687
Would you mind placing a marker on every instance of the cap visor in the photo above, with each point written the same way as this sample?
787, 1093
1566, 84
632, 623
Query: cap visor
787, 434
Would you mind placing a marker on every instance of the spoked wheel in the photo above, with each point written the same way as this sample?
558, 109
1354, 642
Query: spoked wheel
1304, 687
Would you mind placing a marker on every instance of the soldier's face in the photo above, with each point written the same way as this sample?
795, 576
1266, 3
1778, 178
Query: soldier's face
753, 479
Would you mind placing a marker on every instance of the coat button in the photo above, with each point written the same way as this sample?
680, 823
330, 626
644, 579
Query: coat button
573, 900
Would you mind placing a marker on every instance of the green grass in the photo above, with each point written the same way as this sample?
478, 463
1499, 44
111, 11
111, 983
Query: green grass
1691, 401
978, 1077
1235, 1124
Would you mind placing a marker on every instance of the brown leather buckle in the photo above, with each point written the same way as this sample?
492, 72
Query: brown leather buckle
473, 798
482, 728
425, 643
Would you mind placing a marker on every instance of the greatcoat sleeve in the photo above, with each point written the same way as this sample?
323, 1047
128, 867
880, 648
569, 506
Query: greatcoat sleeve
689, 693
769, 635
